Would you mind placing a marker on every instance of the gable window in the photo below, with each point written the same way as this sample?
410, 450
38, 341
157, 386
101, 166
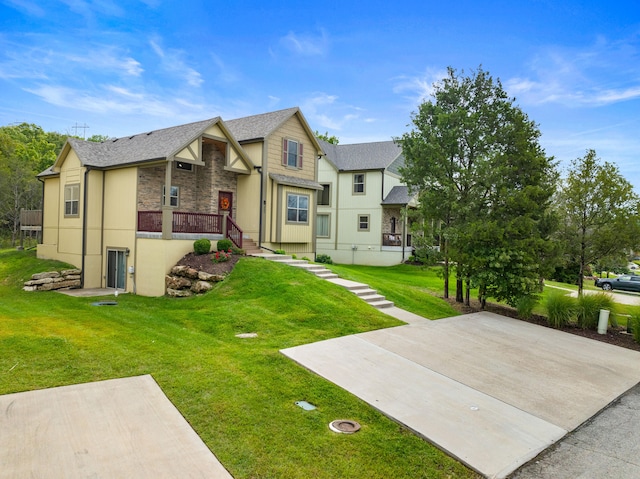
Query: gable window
363, 222
358, 184
324, 195
174, 193
71, 200
182, 165
291, 153
297, 208
322, 229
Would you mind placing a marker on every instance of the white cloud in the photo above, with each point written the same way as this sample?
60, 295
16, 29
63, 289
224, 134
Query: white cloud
173, 62
306, 44
417, 89
327, 112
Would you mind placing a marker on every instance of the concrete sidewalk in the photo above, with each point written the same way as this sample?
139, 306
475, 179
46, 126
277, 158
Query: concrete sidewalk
491, 391
116, 428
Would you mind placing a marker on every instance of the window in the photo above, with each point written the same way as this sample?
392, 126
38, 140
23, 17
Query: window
181, 165
324, 195
174, 193
322, 230
297, 208
71, 200
358, 184
291, 153
363, 222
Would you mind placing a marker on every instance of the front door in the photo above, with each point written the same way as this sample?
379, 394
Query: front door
116, 268
225, 203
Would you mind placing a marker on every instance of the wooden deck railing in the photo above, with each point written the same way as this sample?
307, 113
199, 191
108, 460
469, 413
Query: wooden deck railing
30, 220
394, 239
234, 233
151, 221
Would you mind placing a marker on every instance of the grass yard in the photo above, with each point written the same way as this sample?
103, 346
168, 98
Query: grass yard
238, 394
410, 287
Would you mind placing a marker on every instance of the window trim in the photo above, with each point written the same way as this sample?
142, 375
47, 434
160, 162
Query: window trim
328, 235
308, 209
363, 183
178, 166
321, 194
71, 188
368, 217
286, 151
176, 196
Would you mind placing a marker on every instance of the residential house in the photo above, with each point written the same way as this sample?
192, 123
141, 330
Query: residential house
362, 207
127, 209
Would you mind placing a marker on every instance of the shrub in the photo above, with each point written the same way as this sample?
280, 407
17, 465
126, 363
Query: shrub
294, 256
224, 245
201, 246
589, 306
634, 320
220, 257
324, 258
306, 258
561, 309
236, 250
525, 306
279, 251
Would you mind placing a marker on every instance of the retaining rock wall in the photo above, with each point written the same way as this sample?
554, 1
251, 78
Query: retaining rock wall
68, 278
183, 281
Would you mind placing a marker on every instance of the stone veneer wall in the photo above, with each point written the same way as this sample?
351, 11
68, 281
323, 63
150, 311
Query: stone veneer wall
387, 214
198, 188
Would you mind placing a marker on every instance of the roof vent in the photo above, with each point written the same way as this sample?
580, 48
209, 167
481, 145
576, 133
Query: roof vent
149, 133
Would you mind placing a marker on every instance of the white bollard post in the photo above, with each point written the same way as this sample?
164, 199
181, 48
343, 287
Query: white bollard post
603, 321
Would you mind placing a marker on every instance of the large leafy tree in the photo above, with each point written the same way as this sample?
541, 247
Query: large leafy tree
599, 211
25, 150
474, 158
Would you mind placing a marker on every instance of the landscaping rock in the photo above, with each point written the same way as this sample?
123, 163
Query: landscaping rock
179, 293
214, 278
68, 278
49, 274
177, 282
201, 287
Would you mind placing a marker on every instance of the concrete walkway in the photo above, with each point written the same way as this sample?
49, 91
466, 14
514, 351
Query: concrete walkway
491, 391
111, 429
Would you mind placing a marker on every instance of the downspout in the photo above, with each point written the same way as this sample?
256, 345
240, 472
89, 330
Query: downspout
84, 224
41, 239
102, 260
259, 170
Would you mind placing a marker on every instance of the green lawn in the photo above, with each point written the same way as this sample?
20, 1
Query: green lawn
238, 394
414, 288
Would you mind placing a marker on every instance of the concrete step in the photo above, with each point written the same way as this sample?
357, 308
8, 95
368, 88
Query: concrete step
382, 304
325, 275
363, 291
372, 298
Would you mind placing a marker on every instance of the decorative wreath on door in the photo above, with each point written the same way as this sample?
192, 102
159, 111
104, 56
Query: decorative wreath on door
224, 203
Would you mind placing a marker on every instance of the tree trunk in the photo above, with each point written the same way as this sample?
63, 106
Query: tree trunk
467, 293
458, 290
446, 278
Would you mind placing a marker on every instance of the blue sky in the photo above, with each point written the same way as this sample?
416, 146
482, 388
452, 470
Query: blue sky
356, 69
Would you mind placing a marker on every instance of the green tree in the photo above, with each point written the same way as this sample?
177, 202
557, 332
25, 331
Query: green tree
25, 150
474, 158
334, 140
599, 212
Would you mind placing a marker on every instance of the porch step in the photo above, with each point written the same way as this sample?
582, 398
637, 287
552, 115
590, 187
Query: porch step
250, 247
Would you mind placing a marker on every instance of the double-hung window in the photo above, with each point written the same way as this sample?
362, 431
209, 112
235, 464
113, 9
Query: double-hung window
297, 208
363, 222
358, 184
174, 194
322, 230
291, 153
71, 200
324, 195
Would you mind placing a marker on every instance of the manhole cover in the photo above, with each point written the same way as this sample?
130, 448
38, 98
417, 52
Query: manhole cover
104, 303
344, 426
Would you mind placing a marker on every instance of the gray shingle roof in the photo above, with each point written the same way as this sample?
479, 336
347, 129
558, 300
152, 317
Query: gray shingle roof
399, 195
364, 156
258, 127
153, 145
293, 181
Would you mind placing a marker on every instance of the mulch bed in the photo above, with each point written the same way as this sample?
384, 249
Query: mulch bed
617, 337
204, 262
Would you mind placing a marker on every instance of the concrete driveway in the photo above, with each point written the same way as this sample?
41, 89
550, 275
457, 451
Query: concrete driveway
489, 390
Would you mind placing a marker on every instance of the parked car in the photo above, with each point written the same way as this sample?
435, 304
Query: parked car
622, 283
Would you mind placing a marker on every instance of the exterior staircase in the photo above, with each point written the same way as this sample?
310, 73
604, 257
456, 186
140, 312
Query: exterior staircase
250, 247
361, 290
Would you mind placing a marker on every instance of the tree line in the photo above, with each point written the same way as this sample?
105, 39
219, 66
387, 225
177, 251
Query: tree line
494, 202
25, 151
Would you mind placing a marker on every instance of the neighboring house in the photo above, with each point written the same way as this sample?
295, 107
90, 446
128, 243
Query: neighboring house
362, 208
126, 210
